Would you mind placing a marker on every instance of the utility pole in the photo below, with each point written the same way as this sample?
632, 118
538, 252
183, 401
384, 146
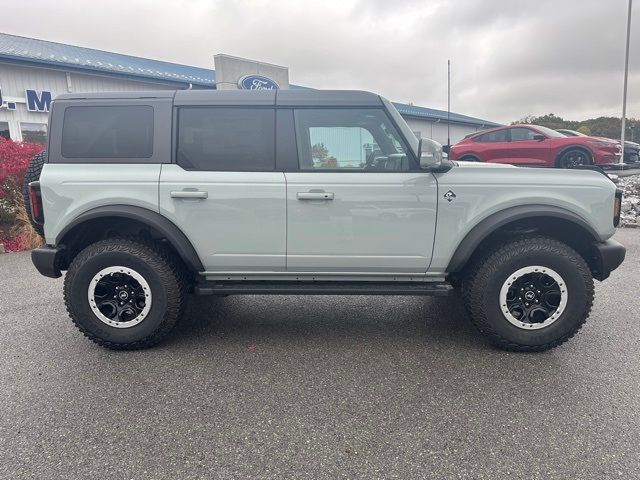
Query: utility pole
624, 88
449, 105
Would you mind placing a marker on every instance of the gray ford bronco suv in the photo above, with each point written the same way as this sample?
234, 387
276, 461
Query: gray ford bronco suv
146, 197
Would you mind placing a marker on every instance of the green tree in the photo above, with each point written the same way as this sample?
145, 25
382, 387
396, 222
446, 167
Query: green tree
598, 127
319, 152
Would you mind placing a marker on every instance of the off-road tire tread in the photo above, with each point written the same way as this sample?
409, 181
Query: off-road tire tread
159, 258
479, 275
32, 174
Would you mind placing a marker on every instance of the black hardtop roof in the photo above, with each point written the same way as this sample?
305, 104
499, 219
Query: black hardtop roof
288, 98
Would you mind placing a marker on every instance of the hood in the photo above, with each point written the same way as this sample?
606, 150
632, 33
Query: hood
483, 164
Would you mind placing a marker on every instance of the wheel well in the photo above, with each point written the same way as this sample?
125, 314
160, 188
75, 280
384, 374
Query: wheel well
93, 230
561, 229
469, 155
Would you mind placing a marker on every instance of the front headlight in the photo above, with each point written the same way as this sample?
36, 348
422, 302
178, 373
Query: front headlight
602, 143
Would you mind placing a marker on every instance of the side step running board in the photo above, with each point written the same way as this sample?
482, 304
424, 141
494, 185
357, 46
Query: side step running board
439, 289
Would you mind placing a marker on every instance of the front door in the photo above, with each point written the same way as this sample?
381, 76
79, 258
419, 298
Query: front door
358, 203
525, 149
223, 191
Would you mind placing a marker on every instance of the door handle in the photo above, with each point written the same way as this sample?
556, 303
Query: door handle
314, 196
189, 194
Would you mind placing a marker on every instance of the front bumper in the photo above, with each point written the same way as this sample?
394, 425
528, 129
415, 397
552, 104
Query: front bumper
47, 260
607, 256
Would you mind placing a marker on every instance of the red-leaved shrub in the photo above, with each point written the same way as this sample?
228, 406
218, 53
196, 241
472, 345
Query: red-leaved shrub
15, 234
14, 160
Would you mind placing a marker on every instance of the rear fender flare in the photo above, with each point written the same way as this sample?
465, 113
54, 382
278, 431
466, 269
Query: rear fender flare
161, 224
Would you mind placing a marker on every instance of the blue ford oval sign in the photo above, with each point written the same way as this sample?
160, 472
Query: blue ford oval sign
257, 82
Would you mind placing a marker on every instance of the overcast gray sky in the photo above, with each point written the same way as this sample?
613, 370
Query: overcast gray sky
510, 58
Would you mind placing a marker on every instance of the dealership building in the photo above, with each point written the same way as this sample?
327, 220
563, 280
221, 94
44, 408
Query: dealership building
33, 72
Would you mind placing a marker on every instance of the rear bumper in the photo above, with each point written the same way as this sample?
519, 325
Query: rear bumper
46, 260
607, 257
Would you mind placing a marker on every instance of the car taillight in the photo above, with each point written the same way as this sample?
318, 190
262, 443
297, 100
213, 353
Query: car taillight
35, 199
617, 207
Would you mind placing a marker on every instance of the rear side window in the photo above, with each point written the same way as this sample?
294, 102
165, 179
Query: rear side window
226, 139
108, 132
497, 136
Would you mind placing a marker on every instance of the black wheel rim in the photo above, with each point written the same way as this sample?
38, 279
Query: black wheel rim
575, 158
533, 297
119, 297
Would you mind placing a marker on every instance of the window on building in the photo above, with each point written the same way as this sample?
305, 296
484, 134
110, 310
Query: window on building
520, 134
495, 136
349, 139
108, 132
4, 130
227, 139
34, 133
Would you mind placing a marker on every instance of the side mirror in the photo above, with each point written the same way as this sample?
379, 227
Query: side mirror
430, 153
539, 137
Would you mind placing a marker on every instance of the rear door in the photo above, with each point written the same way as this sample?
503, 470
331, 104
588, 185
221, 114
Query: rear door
358, 203
223, 191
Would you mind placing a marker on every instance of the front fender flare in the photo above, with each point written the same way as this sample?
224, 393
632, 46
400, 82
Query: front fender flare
161, 224
493, 222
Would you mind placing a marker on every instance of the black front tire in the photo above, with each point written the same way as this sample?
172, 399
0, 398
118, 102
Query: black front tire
161, 271
574, 157
488, 274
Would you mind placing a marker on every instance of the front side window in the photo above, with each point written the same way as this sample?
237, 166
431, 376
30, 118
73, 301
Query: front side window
226, 139
520, 134
492, 137
108, 132
349, 139
33, 132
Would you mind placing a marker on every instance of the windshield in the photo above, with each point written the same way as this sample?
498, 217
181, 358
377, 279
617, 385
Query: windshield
548, 132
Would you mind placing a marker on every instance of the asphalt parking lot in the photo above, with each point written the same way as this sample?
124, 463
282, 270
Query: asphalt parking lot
317, 387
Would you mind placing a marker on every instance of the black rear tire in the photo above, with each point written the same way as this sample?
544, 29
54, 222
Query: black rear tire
32, 174
160, 271
489, 274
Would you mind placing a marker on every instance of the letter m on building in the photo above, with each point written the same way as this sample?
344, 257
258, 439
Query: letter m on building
38, 103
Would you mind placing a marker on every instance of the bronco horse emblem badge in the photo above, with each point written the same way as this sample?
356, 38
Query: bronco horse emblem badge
450, 196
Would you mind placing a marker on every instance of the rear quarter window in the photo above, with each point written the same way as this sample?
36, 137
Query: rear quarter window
108, 132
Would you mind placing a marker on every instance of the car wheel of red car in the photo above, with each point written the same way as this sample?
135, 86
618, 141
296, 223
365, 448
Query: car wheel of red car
469, 158
573, 158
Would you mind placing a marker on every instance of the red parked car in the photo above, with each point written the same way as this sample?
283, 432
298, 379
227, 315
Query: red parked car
534, 145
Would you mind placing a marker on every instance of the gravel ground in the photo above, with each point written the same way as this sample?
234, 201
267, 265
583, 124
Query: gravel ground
317, 387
